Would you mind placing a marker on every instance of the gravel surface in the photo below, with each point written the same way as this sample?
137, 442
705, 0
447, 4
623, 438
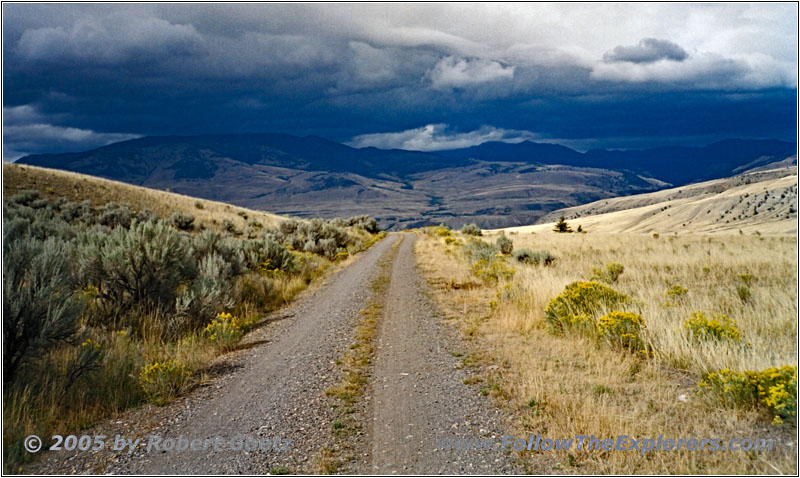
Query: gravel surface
419, 390
272, 393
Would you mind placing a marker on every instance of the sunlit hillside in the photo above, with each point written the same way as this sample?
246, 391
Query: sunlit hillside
53, 183
762, 201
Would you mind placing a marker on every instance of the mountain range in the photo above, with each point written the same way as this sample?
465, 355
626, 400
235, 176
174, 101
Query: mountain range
493, 184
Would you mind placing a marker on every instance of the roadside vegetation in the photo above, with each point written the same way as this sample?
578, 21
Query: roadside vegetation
641, 335
106, 306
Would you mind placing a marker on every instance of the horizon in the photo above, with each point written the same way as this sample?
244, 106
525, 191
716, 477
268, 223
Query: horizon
699, 146
81, 76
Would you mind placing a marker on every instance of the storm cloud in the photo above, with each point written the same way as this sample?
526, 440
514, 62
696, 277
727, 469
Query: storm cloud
647, 50
77, 76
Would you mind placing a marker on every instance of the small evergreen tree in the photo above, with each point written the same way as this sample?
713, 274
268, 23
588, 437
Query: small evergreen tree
562, 226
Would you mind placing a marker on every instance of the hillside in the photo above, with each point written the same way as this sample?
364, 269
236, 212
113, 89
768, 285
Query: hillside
764, 201
53, 184
493, 185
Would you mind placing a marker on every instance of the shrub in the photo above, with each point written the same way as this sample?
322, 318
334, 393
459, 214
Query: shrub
743, 292
450, 240
439, 231
114, 215
581, 299
676, 292
229, 226
492, 270
225, 332
505, 245
198, 205
476, 250
527, 256
184, 222
366, 223
142, 266
39, 307
163, 381
609, 275
774, 389
471, 230
267, 255
622, 329
720, 327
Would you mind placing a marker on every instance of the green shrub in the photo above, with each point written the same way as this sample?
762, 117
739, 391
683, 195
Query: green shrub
225, 332
114, 215
581, 299
676, 292
622, 329
492, 270
505, 245
471, 230
774, 389
720, 327
527, 256
743, 292
230, 227
40, 309
184, 222
140, 267
477, 249
163, 381
609, 275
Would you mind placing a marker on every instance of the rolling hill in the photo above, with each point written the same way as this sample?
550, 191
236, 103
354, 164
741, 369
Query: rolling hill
761, 201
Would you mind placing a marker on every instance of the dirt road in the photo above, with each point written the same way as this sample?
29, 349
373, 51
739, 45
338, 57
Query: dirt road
267, 411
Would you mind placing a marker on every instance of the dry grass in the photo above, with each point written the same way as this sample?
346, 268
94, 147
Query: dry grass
52, 184
765, 202
562, 386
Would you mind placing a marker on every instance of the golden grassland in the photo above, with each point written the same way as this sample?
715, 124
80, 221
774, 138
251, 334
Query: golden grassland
765, 202
561, 386
53, 183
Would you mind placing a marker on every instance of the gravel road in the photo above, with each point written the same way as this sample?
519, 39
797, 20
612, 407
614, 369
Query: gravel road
419, 390
270, 395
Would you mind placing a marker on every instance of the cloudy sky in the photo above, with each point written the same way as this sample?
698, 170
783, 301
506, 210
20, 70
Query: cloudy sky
417, 76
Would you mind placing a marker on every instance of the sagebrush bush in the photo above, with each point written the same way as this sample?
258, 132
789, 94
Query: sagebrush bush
471, 230
40, 309
505, 245
774, 389
115, 215
719, 327
184, 222
139, 267
527, 256
581, 299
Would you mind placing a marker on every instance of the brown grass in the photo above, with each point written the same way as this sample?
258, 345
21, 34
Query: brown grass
563, 386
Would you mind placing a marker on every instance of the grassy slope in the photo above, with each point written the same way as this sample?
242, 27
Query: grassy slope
562, 386
54, 183
722, 205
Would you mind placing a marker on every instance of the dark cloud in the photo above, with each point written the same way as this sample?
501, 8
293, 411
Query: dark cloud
79, 75
647, 50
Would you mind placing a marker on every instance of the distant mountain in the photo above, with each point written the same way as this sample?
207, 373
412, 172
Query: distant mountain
493, 184
676, 165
